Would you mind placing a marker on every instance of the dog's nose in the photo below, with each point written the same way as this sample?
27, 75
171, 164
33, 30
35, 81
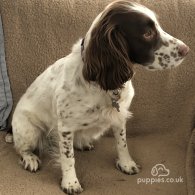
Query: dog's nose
183, 50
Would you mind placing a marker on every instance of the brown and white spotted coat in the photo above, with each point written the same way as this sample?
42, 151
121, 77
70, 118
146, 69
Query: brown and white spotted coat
84, 94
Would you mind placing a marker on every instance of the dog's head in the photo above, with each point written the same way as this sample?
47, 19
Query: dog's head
124, 34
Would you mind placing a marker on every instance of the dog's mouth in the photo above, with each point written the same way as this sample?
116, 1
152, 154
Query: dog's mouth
168, 59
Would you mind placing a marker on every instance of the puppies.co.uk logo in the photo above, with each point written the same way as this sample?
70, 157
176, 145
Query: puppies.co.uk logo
160, 175
160, 170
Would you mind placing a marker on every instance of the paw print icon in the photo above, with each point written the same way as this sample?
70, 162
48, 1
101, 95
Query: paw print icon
160, 170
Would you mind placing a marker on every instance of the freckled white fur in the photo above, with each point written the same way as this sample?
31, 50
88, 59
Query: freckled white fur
39, 102
60, 100
44, 103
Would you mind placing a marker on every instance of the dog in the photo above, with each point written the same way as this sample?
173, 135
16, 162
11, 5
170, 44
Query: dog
89, 91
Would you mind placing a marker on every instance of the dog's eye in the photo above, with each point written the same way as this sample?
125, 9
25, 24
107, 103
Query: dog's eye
148, 35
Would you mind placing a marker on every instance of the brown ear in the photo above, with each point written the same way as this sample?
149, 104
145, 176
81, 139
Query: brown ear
106, 58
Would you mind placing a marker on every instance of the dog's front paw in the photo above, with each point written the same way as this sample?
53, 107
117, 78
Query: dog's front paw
130, 167
71, 187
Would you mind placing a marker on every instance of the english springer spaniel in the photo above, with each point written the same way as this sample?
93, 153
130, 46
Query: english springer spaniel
89, 91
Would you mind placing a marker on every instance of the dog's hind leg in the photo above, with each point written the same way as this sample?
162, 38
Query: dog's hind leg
26, 137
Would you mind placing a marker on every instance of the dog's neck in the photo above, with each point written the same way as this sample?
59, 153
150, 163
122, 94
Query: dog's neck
115, 95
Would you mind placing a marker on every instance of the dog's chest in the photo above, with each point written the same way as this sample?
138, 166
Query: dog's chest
84, 111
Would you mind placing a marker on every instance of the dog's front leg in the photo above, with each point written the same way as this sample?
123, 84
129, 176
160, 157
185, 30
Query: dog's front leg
69, 183
124, 162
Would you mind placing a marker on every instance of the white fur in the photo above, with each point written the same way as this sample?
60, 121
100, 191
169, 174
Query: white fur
62, 103
43, 106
